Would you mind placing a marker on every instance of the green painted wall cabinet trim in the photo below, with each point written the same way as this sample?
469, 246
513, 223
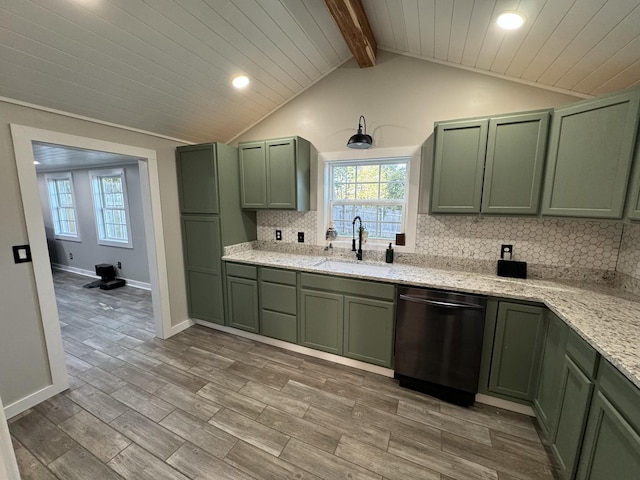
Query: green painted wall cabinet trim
590, 155
275, 174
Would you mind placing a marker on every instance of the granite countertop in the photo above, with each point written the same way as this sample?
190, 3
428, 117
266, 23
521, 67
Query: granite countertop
608, 320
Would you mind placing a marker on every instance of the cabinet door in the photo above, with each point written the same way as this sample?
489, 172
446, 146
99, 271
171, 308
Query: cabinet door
590, 153
243, 304
547, 400
576, 390
197, 179
633, 196
516, 150
281, 173
611, 447
321, 320
516, 350
202, 253
368, 330
253, 175
458, 166
279, 308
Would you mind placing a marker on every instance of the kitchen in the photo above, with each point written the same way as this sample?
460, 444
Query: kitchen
394, 121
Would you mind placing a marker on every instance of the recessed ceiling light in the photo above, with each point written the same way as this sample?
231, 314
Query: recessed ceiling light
510, 20
240, 81
36, 162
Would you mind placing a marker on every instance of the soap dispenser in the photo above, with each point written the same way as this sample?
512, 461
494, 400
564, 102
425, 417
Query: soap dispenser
389, 256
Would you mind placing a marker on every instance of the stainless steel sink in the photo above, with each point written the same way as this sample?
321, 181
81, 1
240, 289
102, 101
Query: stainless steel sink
358, 268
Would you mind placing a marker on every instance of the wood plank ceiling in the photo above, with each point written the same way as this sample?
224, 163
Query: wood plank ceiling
165, 65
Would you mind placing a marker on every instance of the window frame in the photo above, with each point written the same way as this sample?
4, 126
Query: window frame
404, 202
55, 217
97, 193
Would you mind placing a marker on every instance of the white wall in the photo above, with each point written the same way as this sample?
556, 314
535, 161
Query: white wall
401, 97
87, 252
23, 360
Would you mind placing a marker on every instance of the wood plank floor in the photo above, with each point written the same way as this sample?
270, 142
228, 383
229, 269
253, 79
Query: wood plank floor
209, 405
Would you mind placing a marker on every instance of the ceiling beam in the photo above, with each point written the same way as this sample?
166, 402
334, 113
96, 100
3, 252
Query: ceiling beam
353, 23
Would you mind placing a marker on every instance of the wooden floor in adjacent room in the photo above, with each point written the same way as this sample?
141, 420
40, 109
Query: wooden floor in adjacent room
209, 405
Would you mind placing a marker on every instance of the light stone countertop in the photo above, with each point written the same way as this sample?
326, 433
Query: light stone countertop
608, 320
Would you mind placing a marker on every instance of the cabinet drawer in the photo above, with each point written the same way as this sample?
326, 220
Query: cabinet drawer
382, 291
279, 298
621, 392
582, 353
242, 271
280, 326
275, 275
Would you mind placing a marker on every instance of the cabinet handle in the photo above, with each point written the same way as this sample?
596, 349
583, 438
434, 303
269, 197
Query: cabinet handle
438, 303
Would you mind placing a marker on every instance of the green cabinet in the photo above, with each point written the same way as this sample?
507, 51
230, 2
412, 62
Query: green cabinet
278, 304
576, 391
633, 195
354, 318
492, 166
242, 302
513, 344
611, 446
516, 151
546, 403
211, 218
275, 174
458, 166
368, 327
321, 320
590, 154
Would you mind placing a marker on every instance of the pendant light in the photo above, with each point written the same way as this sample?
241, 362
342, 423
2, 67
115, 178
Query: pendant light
360, 140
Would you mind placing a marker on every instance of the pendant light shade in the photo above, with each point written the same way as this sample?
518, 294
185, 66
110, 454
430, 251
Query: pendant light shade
360, 140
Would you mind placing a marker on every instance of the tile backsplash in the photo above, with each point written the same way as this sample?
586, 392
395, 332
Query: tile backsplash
552, 247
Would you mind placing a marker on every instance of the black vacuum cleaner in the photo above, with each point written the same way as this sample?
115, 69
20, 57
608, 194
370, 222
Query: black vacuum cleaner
108, 280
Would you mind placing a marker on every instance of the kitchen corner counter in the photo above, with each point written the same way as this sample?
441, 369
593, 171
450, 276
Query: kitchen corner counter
608, 320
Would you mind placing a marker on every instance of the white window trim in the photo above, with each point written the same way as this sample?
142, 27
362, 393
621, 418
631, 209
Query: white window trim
93, 176
63, 176
411, 215
377, 161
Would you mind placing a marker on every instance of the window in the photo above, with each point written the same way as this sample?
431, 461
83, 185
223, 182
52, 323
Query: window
62, 203
374, 190
111, 207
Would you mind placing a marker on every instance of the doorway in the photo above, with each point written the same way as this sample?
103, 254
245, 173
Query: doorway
23, 140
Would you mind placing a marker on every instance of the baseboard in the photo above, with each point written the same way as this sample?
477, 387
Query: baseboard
387, 372
34, 399
179, 328
89, 273
505, 404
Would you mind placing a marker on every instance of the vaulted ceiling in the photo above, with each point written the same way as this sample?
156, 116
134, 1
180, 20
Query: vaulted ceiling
165, 65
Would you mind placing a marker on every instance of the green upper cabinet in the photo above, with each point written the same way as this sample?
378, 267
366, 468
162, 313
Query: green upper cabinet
458, 166
275, 174
517, 347
198, 179
516, 150
633, 196
590, 155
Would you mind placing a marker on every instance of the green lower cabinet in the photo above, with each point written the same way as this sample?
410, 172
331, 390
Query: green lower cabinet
517, 347
576, 391
322, 320
204, 296
368, 330
611, 448
242, 304
279, 310
279, 325
546, 403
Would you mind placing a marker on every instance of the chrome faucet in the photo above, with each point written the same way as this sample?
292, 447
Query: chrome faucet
353, 244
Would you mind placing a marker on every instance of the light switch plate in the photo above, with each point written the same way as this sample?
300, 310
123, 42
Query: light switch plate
21, 253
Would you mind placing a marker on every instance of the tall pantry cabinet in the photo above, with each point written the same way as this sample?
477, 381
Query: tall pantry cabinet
211, 218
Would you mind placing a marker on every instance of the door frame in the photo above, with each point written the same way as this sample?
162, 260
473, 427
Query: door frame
23, 137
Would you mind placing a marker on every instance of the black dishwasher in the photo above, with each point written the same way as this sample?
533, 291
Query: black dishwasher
438, 343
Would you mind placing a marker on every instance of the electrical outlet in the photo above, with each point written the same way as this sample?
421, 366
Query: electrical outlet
119, 265
300, 237
71, 256
278, 234
506, 249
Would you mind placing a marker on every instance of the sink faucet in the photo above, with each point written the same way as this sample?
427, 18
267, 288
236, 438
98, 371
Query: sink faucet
353, 244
